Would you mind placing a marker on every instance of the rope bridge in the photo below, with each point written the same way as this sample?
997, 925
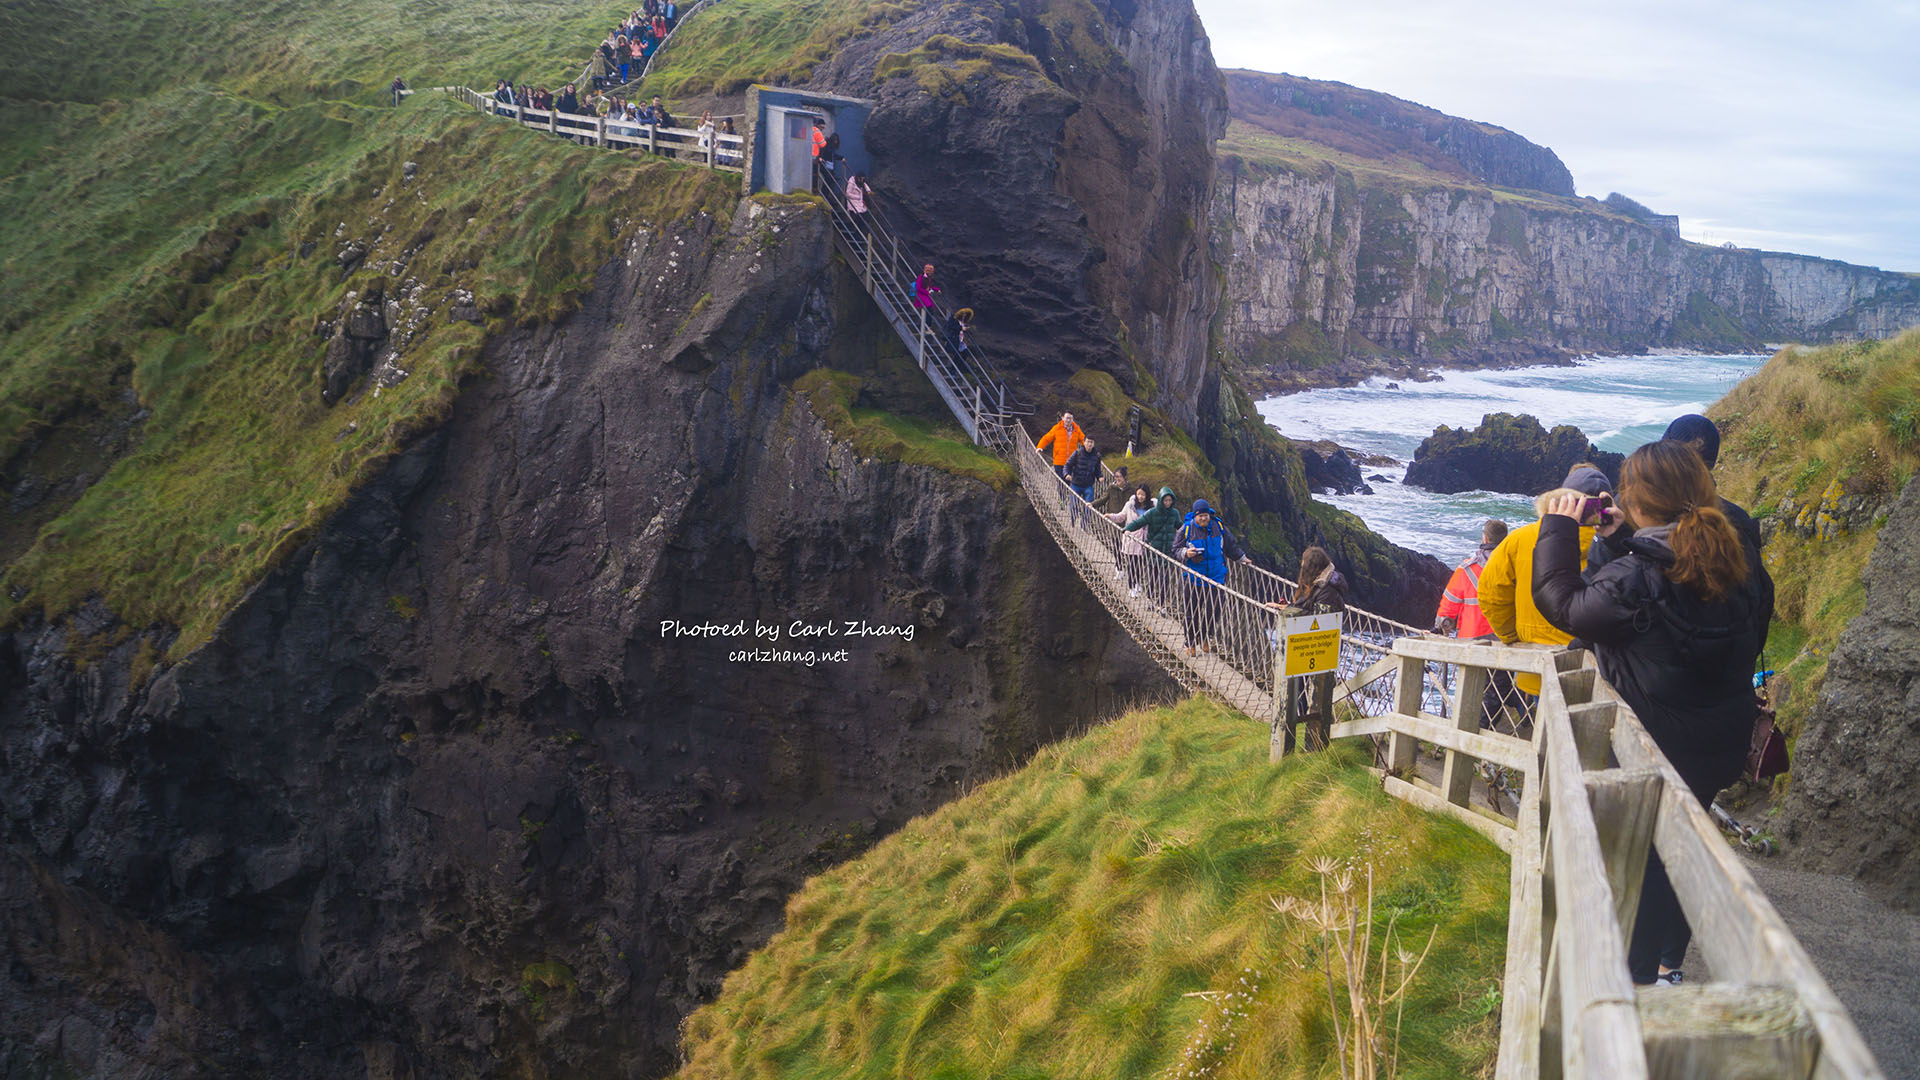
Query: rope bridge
1594, 793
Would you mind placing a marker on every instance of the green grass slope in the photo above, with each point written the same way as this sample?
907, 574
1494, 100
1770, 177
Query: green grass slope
1812, 428
180, 246
1091, 915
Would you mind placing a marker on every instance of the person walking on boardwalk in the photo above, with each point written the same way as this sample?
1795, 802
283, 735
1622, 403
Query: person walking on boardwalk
1677, 623
1506, 583
1133, 549
1083, 475
1205, 546
1064, 437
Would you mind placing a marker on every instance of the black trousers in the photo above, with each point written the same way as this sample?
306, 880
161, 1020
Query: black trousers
1660, 930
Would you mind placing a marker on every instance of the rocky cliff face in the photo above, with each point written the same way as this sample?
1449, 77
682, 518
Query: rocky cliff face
1505, 453
443, 799
1850, 808
1331, 266
1062, 200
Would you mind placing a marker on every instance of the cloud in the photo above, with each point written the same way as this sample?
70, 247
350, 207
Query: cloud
1786, 122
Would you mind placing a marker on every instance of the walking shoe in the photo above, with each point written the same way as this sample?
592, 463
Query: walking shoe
1669, 978
1134, 592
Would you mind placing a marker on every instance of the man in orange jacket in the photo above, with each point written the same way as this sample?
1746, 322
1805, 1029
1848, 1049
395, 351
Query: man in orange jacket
1065, 437
1459, 612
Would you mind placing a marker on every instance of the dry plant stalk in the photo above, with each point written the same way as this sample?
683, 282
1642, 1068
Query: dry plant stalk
1345, 925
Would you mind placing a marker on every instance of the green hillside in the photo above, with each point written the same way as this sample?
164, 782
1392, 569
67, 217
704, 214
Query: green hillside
1813, 440
173, 233
1107, 912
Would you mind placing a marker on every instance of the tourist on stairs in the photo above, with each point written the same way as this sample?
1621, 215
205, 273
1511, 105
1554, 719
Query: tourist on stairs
1205, 546
923, 290
1083, 474
858, 192
1133, 550
1676, 623
1506, 594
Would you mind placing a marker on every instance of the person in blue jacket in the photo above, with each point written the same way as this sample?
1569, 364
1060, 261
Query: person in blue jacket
1205, 546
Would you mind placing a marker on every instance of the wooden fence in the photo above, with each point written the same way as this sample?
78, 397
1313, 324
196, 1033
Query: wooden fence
715, 151
1596, 794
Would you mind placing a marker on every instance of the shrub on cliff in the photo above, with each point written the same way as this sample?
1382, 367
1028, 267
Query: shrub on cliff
1085, 916
1817, 444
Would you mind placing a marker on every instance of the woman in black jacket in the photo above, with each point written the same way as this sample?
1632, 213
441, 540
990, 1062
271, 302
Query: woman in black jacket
1676, 623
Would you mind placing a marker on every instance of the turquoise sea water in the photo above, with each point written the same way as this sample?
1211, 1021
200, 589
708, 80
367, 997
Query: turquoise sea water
1619, 401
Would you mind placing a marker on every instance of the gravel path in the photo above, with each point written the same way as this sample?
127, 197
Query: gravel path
1869, 954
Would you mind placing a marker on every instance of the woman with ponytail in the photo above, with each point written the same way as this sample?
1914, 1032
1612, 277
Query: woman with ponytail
1676, 621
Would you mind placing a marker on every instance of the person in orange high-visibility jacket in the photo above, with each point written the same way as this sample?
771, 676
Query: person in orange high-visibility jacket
1459, 612
1064, 437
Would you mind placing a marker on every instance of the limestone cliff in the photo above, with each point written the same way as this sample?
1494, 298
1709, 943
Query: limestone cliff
1346, 260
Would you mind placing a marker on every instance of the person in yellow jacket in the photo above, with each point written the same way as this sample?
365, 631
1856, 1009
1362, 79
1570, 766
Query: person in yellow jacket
1065, 437
1506, 585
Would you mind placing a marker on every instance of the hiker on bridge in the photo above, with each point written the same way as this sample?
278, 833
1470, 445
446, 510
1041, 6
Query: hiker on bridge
1064, 437
959, 330
1205, 546
1133, 549
1506, 583
1083, 475
1161, 523
1676, 623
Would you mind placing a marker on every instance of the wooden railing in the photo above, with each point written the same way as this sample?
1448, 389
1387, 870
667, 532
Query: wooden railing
715, 151
1596, 794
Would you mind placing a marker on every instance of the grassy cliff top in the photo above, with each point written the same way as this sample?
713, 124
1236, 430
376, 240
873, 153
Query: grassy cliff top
1107, 912
1816, 426
175, 258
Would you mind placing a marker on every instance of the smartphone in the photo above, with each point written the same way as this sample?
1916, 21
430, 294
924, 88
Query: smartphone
1591, 510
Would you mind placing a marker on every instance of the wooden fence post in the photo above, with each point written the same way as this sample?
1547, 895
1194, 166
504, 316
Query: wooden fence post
652, 136
600, 132
1456, 777
553, 121
1406, 701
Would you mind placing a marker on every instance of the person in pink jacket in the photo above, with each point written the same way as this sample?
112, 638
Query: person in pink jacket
924, 288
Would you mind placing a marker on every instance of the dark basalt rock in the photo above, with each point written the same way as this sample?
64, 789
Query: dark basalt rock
1851, 807
445, 751
1505, 453
1333, 473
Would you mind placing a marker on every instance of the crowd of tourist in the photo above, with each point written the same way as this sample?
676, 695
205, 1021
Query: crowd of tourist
616, 62
1663, 580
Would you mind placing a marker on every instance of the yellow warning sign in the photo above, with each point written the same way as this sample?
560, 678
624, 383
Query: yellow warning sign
1312, 644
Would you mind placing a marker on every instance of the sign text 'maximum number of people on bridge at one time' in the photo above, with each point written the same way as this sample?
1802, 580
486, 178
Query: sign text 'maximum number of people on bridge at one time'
1312, 643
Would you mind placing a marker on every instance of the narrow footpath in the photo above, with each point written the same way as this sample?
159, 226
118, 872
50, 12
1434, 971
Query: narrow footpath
1868, 952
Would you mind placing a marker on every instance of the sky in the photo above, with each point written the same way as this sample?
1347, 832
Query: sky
1792, 126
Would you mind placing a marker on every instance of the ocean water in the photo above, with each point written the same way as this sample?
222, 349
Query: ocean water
1619, 401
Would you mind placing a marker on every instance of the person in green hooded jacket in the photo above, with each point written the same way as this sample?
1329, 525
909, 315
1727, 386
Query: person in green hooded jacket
1161, 523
